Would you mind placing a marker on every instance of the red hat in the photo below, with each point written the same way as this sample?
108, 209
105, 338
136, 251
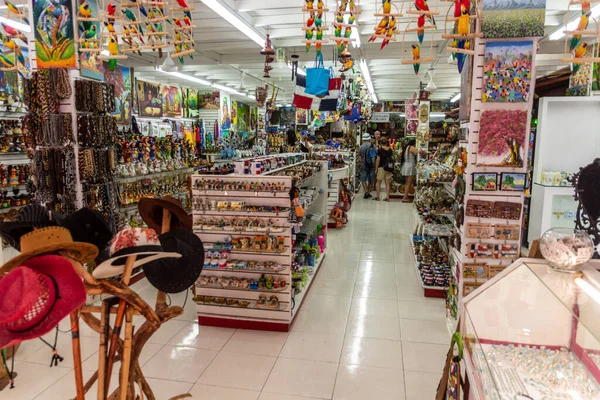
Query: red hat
36, 296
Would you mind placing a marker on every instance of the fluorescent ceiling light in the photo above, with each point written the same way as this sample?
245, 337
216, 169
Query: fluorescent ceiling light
234, 19
571, 26
437, 114
227, 89
455, 98
251, 96
364, 68
184, 76
17, 25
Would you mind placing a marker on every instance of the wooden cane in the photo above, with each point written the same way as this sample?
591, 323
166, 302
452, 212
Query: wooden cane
77, 354
112, 350
161, 297
126, 356
105, 311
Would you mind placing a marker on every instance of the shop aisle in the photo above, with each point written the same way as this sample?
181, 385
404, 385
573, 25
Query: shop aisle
365, 331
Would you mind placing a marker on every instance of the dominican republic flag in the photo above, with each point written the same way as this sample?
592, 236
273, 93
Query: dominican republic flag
310, 102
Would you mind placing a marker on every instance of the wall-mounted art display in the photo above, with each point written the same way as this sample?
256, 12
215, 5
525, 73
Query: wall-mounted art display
121, 79
91, 66
513, 19
475, 230
511, 181
301, 116
475, 270
253, 119
288, 116
480, 250
502, 137
507, 210
243, 119
506, 251
485, 182
171, 101
54, 34
507, 71
224, 115
479, 208
209, 100
507, 232
192, 103
411, 108
149, 99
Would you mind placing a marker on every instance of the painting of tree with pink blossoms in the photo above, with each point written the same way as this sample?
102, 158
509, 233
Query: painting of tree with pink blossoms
502, 138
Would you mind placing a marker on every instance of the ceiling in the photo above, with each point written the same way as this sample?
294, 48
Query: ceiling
224, 54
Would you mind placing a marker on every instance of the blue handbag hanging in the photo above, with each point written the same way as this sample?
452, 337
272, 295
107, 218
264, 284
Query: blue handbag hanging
317, 78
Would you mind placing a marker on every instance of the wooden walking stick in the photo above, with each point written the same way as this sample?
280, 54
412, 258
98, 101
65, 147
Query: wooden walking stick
161, 297
126, 354
118, 321
104, 333
74, 316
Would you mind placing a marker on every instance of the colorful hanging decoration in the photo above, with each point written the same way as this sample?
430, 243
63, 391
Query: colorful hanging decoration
345, 21
268, 52
576, 46
463, 30
314, 25
425, 21
183, 38
112, 31
386, 27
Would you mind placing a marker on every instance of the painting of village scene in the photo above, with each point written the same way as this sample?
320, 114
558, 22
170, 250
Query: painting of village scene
513, 18
507, 71
484, 182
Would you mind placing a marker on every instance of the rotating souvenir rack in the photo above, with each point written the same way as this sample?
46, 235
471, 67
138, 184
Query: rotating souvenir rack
244, 223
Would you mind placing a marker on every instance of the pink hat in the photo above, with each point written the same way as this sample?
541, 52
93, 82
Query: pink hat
36, 296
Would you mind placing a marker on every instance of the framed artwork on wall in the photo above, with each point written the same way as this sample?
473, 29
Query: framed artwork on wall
485, 182
514, 182
502, 138
507, 72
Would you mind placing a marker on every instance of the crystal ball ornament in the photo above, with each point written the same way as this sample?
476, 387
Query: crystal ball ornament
566, 249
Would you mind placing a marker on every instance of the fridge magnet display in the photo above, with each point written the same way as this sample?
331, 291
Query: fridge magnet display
502, 137
511, 19
494, 270
470, 287
513, 182
507, 232
171, 101
301, 116
484, 182
506, 251
54, 34
507, 71
479, 230
149, 99
475, 270
481, 250
479, 208
507, 210
120, 77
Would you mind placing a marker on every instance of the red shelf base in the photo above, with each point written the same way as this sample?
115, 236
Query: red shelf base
440, 294
244, 324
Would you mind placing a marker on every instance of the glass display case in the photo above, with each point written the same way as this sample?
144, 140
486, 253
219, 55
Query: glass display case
534, 333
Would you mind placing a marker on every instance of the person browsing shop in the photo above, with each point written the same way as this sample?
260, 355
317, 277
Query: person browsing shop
384, 166
377, 136
409, 168
367, 154
305, 145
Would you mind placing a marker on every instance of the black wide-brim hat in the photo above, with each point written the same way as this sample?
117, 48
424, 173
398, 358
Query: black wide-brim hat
177, 275
31, 217
88, 226
151, 211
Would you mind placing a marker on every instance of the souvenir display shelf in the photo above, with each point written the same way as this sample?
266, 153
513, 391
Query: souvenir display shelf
484, 243
247, 226
532, 332
336, 176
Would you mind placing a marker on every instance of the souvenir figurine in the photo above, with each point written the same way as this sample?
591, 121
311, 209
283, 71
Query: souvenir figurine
14, 179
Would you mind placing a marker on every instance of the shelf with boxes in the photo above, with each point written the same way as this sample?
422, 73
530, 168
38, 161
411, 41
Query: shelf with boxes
250, 233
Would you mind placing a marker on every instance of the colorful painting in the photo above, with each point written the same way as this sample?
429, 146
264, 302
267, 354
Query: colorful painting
54, 34
90, 65
507, 71
411, 107
185, 112
209, 100
224, 115
171, 101
514, 182
580, 82
253, 118
485, 182
121, 79
234, 111
301, 116
149, 99
243, 118
192, 103
288, 116
502, 137
513, 18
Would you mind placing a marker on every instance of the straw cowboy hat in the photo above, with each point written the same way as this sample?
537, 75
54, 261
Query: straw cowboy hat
35, 296
151, 211
141, 242
50, 240
174, 276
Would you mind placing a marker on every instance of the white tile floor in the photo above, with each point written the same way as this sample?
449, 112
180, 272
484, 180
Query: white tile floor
365, 331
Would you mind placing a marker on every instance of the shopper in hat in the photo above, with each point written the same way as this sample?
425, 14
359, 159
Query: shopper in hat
367, 154
305, 145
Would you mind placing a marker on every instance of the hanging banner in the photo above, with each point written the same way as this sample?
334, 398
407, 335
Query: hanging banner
121, 79
91, 66
54, 35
